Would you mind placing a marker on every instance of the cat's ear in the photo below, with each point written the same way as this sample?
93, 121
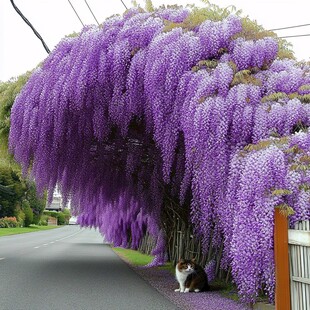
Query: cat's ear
193, 259
181, 260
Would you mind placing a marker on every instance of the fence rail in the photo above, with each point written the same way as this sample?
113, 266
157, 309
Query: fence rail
299, 250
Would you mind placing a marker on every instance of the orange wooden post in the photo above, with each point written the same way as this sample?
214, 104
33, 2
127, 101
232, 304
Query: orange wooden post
283, 298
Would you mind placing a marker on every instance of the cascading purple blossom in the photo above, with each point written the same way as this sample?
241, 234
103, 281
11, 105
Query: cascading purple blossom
262, 171
124, 116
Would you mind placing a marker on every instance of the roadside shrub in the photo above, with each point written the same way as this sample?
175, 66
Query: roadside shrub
20, 217
43, 220
28, 213
50, 213
67, 215
62, 216
8, 222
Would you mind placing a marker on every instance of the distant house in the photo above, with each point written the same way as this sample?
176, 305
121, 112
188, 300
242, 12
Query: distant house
56, 204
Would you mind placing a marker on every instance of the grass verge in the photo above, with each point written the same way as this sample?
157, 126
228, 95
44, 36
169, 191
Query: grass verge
22, 230
136, 258
133, 257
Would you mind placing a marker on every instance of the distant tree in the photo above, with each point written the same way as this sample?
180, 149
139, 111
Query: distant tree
25, 189
8, 92
28, 213
11, 191
36, 203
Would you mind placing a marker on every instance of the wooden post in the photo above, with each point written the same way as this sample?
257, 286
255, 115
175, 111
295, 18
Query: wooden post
282, 270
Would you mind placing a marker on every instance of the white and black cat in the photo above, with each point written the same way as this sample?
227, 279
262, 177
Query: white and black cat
191, 277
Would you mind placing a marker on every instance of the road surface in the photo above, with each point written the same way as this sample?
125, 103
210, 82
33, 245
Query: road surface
70, 268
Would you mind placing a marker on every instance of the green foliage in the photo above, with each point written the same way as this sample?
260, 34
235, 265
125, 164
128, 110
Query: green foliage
304, 186
8, 222
28, 213
304, 87
67, 215
265, 144
304, 98
43, 220
149, 6
11, 191
245, 77
73, 35
250, 29
14, 190
198, 15
37, 204
20, 216
8, 92
205, 64
274, 97
285, 50
299, 167
62, 216
61, 219
285, 209
22, 230
134, 257
50, 213
212, 12
281, 192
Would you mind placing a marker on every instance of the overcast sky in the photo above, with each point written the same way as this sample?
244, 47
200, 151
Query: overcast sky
21, 50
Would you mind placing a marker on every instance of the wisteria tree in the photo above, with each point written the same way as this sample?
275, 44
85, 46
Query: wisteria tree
198, 106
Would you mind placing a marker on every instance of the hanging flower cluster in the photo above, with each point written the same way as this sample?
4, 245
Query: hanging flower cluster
124, 115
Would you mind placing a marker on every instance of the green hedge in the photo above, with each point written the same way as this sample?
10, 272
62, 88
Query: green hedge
62, 216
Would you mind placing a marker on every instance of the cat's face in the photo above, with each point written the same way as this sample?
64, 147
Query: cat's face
186, 266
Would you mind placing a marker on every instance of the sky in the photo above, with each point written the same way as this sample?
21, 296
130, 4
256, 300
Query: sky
21, 50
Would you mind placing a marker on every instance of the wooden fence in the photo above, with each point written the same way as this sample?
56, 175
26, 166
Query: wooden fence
299, 253
181, 243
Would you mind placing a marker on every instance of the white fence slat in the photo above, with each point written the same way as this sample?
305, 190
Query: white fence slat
299, 237
299, 248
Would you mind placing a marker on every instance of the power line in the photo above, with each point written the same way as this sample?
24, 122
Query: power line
289, 27
295, 36
124, 5
30, 25
76, 13
91, 12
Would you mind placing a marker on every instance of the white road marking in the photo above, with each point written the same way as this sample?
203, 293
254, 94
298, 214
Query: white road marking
2, 258
46, 244
69, 236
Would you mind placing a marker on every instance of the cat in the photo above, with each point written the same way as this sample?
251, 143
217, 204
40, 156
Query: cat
191, 277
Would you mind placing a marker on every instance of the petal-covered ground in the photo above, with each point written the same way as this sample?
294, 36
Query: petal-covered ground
165, 283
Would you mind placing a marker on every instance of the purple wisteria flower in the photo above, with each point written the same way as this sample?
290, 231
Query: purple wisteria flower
129, 118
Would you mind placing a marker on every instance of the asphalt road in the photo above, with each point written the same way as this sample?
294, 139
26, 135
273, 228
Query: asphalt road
70, 268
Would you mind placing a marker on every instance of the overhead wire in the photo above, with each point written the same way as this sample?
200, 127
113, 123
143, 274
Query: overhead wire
30, 25
76, 13
48, 50
289, 27
91, 12
124, 5
295, 36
